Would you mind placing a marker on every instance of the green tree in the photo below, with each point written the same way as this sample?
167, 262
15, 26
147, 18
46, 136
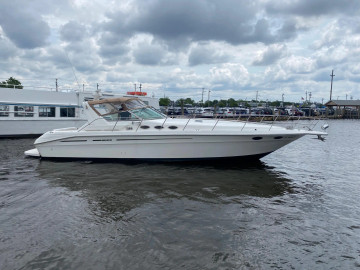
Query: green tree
222, 103
164, 101
189, 101
232, 102
208, 103
179, 102
11, 83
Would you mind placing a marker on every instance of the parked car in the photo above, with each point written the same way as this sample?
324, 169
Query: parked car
282, 111
308, 111
204, 112
171, 111
180, 111
326, 111
295, 112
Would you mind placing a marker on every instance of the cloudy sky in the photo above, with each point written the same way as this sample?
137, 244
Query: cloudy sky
231, 48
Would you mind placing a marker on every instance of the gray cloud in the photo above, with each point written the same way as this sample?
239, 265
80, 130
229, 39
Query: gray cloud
25, 30
270, 55
313, 8
73, 32
183, 21
58, 56
7, 50
206, 55
113, 48
147, 54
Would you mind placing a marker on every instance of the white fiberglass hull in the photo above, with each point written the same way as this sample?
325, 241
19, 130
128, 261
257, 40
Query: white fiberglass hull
164, 147
126, 129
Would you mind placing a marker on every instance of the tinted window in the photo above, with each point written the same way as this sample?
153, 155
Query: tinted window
4, 110
46, 111
67, 112
24, 111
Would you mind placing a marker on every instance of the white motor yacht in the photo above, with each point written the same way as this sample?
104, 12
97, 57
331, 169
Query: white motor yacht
126, 128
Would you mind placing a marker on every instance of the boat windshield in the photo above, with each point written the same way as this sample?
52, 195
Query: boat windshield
147, 113
132, 109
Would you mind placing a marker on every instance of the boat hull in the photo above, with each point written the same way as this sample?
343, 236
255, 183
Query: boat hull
157, 147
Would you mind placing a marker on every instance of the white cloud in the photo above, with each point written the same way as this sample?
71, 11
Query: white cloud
229, 75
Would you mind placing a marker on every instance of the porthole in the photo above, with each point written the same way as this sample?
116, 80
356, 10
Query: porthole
158, 127
173, 127
144, 127
278, 137
257, 138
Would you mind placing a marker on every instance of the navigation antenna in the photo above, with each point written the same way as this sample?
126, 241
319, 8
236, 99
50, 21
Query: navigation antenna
73, 70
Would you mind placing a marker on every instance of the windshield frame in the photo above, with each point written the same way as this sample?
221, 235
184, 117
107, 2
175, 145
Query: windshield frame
125, 109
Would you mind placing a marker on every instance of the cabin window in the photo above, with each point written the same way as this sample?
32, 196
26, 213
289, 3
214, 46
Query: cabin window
46, 111
24, 111
67, 112
4, 110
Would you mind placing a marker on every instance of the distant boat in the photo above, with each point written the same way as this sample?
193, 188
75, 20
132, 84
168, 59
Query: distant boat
33, 112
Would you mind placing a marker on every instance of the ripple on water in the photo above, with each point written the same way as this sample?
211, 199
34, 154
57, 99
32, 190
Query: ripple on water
297, 208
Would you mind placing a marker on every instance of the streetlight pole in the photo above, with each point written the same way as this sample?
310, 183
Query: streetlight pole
332, 76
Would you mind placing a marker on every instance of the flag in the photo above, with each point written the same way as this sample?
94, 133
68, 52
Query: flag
302, 98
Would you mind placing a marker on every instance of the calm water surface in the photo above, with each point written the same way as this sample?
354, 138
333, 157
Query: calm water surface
298, 208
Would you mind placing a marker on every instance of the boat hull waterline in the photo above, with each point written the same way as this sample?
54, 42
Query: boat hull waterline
164, 147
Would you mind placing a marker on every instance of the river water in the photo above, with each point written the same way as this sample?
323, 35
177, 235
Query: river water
298, 208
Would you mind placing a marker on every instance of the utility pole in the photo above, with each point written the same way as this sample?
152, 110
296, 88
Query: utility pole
56, 84
257, 92
209, 95
135, 86
97, 87
309, 96
332, 77
140, 87
306, 96
202, 96
346, 96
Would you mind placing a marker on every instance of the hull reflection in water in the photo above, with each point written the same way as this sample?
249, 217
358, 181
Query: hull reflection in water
122, 187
